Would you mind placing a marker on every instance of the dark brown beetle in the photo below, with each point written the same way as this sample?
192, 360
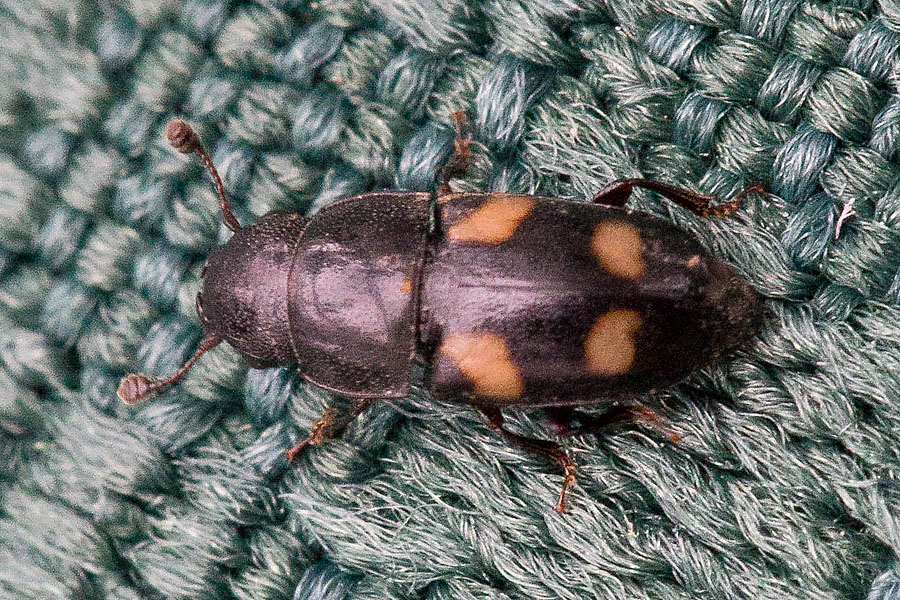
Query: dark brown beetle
513, 300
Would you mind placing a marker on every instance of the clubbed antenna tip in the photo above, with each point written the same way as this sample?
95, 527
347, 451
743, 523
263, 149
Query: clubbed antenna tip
182, 137
134, 387
186, 141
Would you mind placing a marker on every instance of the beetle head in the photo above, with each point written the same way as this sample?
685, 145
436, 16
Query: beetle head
244, 296
243, 300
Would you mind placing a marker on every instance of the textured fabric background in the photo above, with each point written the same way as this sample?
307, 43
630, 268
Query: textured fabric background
785, 486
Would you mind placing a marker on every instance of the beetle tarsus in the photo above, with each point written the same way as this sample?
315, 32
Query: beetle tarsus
186, 141
617, 192
545, 449
568, 479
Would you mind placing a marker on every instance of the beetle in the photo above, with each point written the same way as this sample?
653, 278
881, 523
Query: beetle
512, 300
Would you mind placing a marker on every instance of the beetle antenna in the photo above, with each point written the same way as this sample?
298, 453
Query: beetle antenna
183, 139
135, 387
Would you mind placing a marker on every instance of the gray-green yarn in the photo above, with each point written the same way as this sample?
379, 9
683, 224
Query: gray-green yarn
785, 485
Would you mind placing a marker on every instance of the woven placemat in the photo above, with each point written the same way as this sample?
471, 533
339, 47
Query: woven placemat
785, 485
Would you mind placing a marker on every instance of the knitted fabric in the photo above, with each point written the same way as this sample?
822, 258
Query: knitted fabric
785, 484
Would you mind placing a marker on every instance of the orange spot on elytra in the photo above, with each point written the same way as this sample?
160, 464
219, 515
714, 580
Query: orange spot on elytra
493, 222
485, 360
609, 347
618, 247
406, 286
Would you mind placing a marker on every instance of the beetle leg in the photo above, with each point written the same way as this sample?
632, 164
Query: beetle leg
560, 417
617, 192
617, 416
459, 164
614, 193
543, 448
330, 425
